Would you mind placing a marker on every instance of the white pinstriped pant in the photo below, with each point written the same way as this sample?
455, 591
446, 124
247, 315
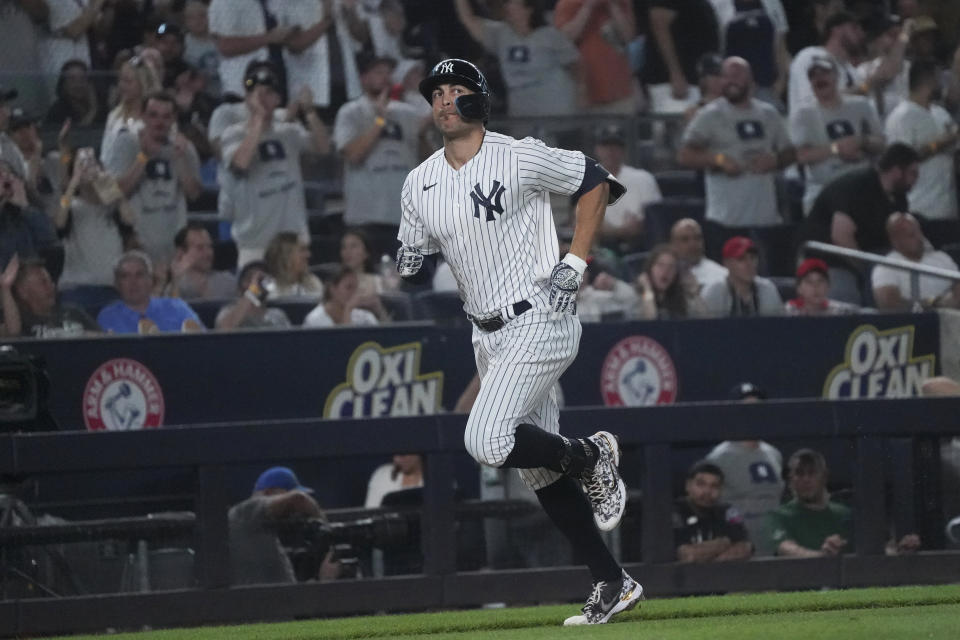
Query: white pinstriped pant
519, 366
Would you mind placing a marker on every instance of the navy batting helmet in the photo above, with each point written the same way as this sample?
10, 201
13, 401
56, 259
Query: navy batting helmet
475, 106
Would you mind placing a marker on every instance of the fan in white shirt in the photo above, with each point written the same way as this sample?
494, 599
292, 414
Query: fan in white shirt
337, 308
929, 129
891, 287
686, 239
623, 223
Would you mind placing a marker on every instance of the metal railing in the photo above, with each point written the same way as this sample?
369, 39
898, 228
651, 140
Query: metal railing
915, 269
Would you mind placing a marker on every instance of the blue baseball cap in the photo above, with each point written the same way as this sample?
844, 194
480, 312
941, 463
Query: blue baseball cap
279, 478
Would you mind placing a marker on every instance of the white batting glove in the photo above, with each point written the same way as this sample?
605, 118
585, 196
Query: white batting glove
565, 282
409, 260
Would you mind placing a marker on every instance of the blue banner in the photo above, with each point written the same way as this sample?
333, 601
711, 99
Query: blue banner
120, 383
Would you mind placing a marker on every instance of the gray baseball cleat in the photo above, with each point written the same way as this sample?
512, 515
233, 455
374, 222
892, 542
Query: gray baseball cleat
608, 599
604, 486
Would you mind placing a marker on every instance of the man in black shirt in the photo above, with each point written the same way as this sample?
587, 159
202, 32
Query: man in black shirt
681, 31
37, 311
852, 211
704, 530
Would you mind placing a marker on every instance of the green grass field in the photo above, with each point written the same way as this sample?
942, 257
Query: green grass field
909, 613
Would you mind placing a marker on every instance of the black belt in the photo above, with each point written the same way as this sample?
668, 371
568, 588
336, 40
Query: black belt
489, 325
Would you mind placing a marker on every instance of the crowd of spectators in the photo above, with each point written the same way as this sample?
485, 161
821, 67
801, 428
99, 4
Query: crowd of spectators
227, 133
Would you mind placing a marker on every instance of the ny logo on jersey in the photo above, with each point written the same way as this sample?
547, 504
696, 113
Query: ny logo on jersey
519, 53
159, 169
490, 202
271, 150
391, 131
839, 129
446, 67
750, 130
762, 472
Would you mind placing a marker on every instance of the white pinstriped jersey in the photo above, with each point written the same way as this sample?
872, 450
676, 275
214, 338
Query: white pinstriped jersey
491, 219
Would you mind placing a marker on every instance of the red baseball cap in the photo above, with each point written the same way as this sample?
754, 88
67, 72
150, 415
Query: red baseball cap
736, 246
812, 264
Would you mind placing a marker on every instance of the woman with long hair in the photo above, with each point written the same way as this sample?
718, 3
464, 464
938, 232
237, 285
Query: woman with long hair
135, 80
95, 222
76, 97
666, 292
288, 263
356, 254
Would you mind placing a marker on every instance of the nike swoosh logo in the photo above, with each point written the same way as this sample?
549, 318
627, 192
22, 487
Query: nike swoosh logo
609, 605
429, 186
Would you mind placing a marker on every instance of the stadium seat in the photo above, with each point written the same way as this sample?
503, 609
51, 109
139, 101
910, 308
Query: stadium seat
777, 246
786, 286
325, 270
206, 201
53, 257
632, 264
225, 255
324, 248
791, 190
295, 309
398, 304
323, 224
682, 183
208, 309
443, 307
659, 217
941, 232
952, 250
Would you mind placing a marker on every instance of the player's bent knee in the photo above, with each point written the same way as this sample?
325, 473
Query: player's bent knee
485, 450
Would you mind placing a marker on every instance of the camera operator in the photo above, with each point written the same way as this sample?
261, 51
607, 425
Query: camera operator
24, 230
256, 554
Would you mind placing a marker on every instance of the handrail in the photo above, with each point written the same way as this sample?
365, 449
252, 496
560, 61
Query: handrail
913, 268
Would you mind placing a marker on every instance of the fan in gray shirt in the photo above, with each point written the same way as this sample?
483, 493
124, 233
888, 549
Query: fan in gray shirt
835, 134
537, 60
379, 140
158, 170
262, 188
742, 144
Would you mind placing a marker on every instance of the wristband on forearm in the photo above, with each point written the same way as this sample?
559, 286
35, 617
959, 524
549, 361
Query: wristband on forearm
576, 262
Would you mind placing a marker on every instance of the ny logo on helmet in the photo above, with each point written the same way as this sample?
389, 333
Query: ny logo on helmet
445, 67
490, 202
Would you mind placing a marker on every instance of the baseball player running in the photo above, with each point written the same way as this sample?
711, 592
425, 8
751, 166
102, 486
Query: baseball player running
483, 202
